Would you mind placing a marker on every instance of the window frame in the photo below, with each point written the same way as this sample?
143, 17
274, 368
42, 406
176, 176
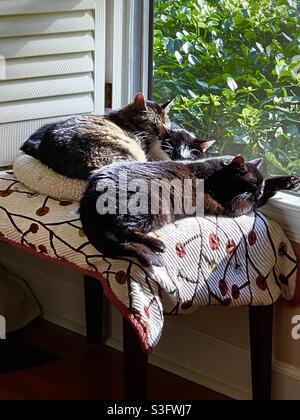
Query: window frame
284, 207
140, 46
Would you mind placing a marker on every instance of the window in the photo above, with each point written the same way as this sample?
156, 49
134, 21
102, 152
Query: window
234, 68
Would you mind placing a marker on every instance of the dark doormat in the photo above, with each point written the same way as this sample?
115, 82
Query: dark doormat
16, 354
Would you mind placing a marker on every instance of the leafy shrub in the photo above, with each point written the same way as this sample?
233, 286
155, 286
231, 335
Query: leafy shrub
232, 66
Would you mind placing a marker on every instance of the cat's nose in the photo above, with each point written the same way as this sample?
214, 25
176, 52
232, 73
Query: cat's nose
259, 194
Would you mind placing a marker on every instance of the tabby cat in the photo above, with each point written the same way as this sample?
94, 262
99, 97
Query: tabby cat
81, 144
232, 187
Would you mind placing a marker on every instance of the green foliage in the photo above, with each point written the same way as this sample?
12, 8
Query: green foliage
232, 66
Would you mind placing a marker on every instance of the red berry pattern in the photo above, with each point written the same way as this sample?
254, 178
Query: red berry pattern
181, 251
214, 242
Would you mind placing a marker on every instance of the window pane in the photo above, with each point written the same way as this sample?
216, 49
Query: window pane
234, 68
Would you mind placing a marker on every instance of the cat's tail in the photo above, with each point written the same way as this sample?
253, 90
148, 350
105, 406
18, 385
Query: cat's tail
146, 256
32, 145
112, 248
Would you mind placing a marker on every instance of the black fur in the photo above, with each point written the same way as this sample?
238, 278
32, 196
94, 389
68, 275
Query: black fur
180, 144
232, 189
82, 144
32, 146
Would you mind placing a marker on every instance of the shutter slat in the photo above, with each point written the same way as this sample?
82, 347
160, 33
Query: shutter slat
46, 45
46, 108
22, 7
49, 66
46, 24
46, 87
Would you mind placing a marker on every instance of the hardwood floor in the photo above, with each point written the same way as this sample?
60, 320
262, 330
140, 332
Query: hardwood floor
86, 372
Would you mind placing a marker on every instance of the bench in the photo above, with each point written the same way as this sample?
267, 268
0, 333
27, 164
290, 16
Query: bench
230, 262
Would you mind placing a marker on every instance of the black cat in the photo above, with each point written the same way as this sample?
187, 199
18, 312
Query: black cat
232, 188
180, 144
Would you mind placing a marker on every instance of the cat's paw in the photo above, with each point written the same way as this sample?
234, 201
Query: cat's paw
144, 254
280, 183
151, 259
292, 183
157, 261
155, 244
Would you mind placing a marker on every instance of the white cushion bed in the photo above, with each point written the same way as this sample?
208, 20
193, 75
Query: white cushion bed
39, 177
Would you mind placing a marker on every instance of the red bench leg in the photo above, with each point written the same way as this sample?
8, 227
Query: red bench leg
93, 310
135, 365
261, 332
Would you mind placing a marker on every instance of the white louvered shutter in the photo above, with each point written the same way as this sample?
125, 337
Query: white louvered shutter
54, 52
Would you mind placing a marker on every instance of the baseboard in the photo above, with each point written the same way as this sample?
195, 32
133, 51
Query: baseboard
286, 381
65, 323
204, 359
228, 374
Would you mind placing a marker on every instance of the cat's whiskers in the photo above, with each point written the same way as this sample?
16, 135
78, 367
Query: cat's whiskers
241, 200
167, 147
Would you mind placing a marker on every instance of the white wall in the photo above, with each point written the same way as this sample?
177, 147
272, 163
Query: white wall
209, 347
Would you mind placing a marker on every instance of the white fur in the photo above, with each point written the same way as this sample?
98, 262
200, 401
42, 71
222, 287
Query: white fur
185, 152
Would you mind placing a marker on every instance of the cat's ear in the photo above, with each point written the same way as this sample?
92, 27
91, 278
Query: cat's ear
163, 132
204, 145
140, 102
239, 164
257, 162
238, 161
235, 161
168, 106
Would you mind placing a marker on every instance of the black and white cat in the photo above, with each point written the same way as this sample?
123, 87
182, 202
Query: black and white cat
232, 188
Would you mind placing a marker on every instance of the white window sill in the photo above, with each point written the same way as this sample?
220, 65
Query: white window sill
285, 209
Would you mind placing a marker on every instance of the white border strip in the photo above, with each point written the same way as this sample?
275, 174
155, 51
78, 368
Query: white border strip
118, 52
100, 56
285, 209
145, 55
138, 47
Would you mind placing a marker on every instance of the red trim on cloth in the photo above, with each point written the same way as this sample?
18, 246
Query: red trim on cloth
142, 334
